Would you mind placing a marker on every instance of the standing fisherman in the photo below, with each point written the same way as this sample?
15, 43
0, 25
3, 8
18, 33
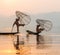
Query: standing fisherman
17, 25
39, 29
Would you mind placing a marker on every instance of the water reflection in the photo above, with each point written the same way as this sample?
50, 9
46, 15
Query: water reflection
7, 47
26, 49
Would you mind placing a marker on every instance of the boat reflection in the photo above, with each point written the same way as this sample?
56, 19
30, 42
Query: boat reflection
25, 47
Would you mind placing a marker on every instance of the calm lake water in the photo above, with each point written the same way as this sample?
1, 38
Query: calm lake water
7, 47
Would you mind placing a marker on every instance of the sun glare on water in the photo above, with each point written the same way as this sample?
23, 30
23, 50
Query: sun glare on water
8, 51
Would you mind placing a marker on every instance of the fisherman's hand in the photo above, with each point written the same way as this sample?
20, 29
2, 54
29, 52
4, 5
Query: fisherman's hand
23, 24
42, 29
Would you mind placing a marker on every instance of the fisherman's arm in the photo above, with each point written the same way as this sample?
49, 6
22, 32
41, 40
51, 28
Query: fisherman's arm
21, 24
41, 29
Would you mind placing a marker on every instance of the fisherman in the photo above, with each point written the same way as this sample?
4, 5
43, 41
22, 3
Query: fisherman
39, 29
17, 25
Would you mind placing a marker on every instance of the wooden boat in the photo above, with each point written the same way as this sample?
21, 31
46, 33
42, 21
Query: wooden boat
8, 33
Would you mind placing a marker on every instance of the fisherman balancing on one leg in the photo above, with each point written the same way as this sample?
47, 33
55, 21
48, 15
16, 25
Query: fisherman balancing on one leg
24, 19
39, 29
17, 25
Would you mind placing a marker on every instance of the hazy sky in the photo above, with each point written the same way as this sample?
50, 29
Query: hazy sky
8, 7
